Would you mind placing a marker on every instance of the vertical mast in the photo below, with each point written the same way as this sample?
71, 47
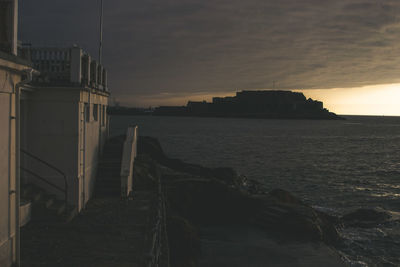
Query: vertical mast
101, 33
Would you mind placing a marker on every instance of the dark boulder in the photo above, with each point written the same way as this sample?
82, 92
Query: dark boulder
289, 218
219, 196
145, 172
150, 146
209, 202
184, 242
285, 197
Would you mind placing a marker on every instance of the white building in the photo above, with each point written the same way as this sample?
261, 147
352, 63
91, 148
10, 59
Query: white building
58, 119
14, 73
65, 121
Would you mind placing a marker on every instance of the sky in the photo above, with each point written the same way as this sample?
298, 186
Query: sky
343, 52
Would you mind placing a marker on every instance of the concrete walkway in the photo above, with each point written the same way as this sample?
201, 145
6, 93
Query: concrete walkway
110, 232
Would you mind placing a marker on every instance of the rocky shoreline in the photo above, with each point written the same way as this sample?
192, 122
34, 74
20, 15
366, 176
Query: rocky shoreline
216, 217
199, 199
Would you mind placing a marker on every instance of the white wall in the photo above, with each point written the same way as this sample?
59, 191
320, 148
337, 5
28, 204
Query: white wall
95, 136
7, 163
52, 135
59, 134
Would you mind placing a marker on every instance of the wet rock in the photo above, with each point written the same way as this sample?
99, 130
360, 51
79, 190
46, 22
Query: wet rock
228, 176
365, 218
147, 145
285, 197
220, 196
291, 219
253, 187
184, 242
209, 202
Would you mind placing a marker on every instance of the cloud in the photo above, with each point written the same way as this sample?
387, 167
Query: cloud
190, 46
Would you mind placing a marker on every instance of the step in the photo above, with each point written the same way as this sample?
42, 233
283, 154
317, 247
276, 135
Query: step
26, 190
110, 187
110, 160
58, 207
105, 186
46, 201
25, 212
108, 193
108, 184
102, 169
108, 178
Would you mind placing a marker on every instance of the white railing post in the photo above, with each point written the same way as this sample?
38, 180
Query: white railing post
128, 158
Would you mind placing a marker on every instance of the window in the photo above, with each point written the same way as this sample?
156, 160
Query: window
103, 119
96, 112
87, 112
100, 113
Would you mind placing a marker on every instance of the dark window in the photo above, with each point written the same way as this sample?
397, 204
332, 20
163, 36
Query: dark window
87, 112
95, 112
103, 118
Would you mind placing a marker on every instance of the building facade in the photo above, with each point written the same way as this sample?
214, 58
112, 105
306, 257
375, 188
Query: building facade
65, 120
14, 74
53, 119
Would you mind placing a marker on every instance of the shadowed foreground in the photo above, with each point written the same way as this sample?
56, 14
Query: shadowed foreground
213, 216
109, 232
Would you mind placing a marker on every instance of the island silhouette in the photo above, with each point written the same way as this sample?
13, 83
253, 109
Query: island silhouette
273, 104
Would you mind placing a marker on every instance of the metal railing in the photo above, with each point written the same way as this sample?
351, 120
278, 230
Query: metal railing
64, 190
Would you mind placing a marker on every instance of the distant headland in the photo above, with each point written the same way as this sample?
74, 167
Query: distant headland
254, 104
270, 104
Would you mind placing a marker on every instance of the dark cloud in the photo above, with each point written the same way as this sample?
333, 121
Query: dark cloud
193, 46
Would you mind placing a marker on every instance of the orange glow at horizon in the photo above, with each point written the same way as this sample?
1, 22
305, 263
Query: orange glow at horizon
368, 100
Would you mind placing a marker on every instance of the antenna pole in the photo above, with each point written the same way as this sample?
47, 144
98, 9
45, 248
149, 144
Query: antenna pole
101, 33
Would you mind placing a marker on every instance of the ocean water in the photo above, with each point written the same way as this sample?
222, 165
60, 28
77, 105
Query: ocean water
336, 166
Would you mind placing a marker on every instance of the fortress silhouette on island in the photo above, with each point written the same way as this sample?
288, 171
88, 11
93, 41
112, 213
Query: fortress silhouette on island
272, 104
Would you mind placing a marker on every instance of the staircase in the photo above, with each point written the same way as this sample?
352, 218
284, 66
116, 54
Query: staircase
40, 205
108, 180
46, 207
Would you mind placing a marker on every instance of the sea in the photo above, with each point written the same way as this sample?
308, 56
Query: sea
335, 166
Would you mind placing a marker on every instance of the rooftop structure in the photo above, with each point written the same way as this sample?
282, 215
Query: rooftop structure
66, 110
70, 66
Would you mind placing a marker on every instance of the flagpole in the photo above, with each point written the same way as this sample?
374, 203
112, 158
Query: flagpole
101, 33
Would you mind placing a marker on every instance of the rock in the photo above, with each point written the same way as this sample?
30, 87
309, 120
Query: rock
184, 242
150, 146
285, 197
209, 202
212, 197
145, 172
365, 218
253, 187
290, 219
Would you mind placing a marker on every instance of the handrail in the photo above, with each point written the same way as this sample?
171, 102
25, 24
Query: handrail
65, 190
42, 179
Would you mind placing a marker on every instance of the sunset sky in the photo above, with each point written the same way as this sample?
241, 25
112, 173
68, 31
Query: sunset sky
167, 52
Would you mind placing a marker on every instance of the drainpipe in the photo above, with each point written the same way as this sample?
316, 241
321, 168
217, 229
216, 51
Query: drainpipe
29, 74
